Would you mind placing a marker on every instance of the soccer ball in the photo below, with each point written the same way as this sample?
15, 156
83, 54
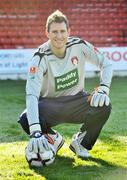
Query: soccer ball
39, 159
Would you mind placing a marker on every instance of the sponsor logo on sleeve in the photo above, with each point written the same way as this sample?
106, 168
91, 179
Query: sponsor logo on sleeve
67, 80
32, 72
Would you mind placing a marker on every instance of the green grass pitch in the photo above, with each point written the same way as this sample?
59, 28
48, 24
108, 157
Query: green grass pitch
109, 154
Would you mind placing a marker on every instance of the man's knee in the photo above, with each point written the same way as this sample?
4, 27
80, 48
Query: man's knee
98, 114
102, 114
24, 122
106, 111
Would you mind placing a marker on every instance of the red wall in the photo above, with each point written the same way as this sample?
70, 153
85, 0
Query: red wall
103, 23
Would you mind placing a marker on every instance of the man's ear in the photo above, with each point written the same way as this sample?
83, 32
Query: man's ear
46, 33
69, 31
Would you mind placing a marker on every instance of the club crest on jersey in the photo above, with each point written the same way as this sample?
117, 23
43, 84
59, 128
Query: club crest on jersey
74, 60
32, 72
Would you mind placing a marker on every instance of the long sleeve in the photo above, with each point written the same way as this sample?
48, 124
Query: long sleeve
33, 88
94, 56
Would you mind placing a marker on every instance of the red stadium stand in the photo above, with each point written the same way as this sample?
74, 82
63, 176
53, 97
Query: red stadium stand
22, 23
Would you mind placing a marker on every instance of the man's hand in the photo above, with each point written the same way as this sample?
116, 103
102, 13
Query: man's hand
38, 143
100, 96
40, 159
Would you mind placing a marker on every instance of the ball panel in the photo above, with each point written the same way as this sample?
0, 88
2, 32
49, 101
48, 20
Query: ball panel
36, 163
39, 159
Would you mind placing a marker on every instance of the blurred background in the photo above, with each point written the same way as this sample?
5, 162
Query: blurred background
22, 29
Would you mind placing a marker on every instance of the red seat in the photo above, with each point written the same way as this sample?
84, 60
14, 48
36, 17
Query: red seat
101, 22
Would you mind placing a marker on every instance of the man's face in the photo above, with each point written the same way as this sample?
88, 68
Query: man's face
58, 35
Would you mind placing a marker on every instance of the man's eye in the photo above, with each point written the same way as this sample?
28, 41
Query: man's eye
62, 31
54, 32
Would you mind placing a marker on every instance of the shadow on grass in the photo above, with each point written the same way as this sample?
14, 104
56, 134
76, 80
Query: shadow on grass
15, 134
65, 168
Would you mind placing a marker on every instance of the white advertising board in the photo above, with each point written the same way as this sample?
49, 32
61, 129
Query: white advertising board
118, 56
16, 61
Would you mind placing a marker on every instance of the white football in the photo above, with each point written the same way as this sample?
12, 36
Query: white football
39, 159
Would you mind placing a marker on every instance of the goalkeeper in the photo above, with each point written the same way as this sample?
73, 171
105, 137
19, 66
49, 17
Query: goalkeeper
55, 90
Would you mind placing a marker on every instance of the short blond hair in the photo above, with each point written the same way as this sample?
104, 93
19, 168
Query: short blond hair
57, 17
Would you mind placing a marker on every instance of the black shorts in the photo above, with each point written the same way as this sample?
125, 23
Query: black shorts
70, 109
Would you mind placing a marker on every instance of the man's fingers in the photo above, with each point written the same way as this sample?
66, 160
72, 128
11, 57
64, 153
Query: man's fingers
40, 144
30, 146
36, 146
41, 147
107, 101
92, 99
99, 99
46, 144
102, 100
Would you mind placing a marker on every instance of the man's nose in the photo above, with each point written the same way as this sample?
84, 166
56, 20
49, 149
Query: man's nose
59, 35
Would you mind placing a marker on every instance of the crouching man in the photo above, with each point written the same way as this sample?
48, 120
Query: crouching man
55, 93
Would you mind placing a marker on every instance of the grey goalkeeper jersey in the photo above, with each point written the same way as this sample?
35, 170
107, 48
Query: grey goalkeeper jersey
50, 76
